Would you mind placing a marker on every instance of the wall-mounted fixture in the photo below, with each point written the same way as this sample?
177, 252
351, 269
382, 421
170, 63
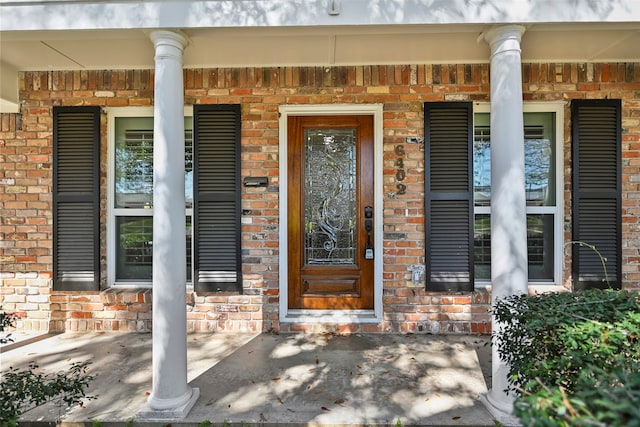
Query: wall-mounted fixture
417, 274
256, 181
334, 7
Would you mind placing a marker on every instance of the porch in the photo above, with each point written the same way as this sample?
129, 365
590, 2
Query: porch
269, 379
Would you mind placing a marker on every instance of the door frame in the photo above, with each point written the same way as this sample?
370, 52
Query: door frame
286, 314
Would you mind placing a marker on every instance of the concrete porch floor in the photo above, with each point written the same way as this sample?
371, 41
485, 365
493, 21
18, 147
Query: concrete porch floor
286, 379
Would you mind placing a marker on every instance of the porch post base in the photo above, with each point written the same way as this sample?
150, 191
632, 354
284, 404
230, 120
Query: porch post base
147, 413
499, 412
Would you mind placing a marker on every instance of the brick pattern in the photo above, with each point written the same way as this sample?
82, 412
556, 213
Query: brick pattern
25, 187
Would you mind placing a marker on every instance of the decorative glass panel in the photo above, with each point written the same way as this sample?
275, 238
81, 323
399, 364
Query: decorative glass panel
134, 162
330, 197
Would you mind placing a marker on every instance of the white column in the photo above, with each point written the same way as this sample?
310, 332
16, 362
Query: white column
171, 397
508, 202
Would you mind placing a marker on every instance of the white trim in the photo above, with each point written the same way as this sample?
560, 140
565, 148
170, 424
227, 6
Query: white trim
92, 14
333, 316
112, 211
556, 107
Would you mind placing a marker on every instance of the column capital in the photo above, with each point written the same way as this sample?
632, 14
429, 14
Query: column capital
504, 37
173, 38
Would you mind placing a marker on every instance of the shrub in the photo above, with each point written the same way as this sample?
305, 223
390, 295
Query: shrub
23, 389
574, 357
7, 320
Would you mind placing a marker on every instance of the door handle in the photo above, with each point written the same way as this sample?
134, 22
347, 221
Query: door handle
368, 225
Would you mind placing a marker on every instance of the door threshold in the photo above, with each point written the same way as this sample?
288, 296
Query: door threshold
330, 316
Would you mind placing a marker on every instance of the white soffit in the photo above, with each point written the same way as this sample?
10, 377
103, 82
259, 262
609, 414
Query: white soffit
316, 46
607, 45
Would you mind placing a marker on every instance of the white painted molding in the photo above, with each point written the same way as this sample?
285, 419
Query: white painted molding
333, 316
94, 14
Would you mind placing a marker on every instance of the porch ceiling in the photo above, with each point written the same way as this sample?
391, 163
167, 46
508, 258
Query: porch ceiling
320, 46
44, 50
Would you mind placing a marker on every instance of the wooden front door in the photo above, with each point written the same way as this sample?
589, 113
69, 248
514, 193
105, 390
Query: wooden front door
330, 217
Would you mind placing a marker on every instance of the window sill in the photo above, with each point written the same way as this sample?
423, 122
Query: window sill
533, 289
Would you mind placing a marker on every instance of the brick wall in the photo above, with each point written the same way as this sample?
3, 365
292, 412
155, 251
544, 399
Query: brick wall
25, 186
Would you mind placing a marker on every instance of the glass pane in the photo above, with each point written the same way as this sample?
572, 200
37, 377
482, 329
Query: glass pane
134, 252
539, 158
188, 162
481, 160
539, 147
189, 232
330, 196
134, 162
482, 247
134, 245
540, 247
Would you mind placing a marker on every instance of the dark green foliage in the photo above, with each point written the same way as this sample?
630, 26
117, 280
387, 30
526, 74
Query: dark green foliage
22, 389
574, 357
7, 320
600, 399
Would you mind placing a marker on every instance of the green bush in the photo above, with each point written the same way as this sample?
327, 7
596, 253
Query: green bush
574, 357
7, 320
23, 389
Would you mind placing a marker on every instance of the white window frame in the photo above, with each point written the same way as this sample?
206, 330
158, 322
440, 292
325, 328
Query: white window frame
556, 107
112, 212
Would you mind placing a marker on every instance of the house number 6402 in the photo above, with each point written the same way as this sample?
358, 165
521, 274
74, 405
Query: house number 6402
400, 173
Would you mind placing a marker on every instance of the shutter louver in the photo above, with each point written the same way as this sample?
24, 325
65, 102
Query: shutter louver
596, 136
217, 208
449, 196
76, 198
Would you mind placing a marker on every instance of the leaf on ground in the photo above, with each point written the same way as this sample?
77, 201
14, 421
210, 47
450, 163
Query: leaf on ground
391, 356
427, 399
324, 408
146, 393
456, 418
275, 379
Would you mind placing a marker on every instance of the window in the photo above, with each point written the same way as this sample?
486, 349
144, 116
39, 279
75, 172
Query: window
132, 193
212, 194
458, 193
542, 168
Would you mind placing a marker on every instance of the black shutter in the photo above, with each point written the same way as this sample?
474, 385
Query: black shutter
449, 196
597, 215
76, 198
217, 208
